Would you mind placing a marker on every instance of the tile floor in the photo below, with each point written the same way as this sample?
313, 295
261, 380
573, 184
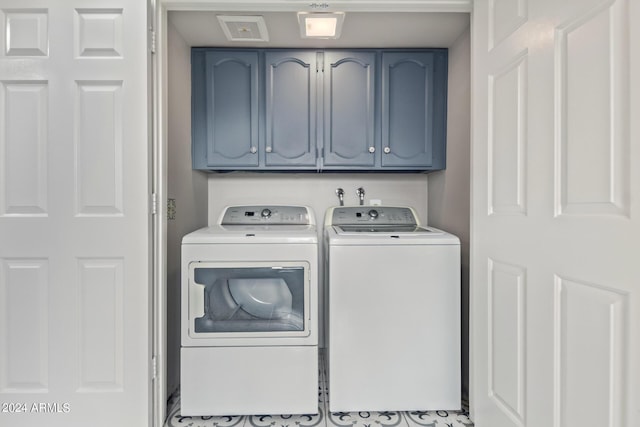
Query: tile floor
324, 418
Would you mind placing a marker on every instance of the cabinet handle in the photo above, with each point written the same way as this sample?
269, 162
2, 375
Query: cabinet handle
253, 150
269, 149
372, 149
387, 150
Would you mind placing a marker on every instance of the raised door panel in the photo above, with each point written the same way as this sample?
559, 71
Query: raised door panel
506, 304
505, 17
593, 155
507, 139
291, 86
23, 148
98, 148
590, 327
413, 109
349, 109
225, 87
24, 334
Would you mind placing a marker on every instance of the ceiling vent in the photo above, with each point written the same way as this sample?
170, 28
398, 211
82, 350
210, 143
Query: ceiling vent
244, 28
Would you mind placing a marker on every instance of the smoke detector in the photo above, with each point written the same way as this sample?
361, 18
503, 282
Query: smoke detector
244, 28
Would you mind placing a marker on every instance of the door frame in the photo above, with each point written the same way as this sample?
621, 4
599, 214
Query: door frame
158, 40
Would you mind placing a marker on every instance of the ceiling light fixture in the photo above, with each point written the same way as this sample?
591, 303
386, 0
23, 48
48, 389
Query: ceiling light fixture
325, 25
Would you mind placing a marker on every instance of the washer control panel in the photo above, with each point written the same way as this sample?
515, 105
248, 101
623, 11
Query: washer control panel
380, 215
266, 214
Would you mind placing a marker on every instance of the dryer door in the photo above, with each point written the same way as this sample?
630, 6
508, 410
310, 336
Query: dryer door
248, 300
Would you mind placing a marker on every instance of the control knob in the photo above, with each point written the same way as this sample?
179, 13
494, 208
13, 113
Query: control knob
373, 214
266, 213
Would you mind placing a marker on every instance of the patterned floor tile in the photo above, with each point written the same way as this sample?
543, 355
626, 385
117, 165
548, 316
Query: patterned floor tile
323, 419
438, 419
286, 420
366, 419
176, 420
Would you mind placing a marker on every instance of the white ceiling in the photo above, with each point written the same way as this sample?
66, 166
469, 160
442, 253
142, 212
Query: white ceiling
360, 29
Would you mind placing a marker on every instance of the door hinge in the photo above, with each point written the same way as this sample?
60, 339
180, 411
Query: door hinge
152, 41
154, 203
154, 368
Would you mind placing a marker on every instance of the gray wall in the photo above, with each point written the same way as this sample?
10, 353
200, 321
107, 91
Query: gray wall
449, 190
186, 187
315, 190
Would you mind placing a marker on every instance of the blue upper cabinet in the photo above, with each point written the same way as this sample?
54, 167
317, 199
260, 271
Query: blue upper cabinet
349, 110
225, 109
290, 112
263, 109
413, 109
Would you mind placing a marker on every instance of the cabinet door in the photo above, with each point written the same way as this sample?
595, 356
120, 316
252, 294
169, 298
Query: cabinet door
291, 85
225, 109
349, 108
413, 109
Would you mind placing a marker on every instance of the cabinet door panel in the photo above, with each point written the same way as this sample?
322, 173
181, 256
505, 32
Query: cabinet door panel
291, 85
349, 108
231, 93
412, 85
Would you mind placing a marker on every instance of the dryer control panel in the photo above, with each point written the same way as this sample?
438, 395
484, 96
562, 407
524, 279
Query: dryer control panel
266, 214
380, 215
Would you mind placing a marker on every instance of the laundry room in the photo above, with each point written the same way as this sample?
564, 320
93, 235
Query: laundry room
198, 198
214, 214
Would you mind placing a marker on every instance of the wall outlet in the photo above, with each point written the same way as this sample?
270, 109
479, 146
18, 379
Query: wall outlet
171, 209
375, 202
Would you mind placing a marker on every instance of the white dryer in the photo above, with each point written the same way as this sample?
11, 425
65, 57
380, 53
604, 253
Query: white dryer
393, 329
249, 314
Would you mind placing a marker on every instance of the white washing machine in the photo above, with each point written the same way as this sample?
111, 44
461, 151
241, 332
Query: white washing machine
249, 319
393, 311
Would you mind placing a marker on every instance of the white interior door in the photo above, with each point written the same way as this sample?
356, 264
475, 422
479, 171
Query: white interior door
556, 214
74, 213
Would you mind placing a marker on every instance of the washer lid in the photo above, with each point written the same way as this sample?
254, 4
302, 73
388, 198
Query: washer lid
391, 229
340, 235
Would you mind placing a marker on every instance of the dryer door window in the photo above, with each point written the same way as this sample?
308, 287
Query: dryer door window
248, 300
